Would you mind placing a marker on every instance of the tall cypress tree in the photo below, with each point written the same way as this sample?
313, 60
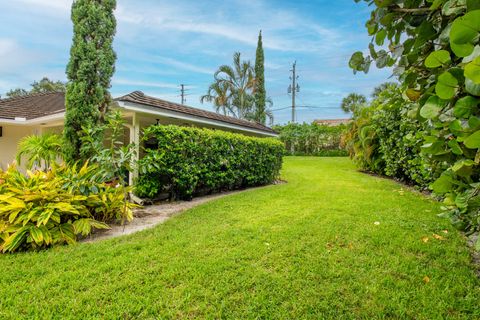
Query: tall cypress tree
91, 66
260, 94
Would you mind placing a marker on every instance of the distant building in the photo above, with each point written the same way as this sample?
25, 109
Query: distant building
331, 122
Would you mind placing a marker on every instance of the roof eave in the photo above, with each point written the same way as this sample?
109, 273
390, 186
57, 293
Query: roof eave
138, 107
35, 121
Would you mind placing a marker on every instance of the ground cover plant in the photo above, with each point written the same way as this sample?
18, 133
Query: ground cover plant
54, 204
182, 161
311, 139
332, 243
435, 48
42, 209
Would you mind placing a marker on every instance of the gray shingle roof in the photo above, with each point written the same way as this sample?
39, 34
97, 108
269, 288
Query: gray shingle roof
32, 106
140, 98
43, 104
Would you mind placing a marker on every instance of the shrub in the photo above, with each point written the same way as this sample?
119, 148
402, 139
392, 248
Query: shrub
184, 161
312, 139
41, 151
434, 46
385, 138
43, 209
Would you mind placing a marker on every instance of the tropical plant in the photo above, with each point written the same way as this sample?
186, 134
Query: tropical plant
385, 138
40, 150
183, 161
235, 82
435, 48
89, 71
353, 103
378, 90
220, 96
114, 158
50, 208
312, 139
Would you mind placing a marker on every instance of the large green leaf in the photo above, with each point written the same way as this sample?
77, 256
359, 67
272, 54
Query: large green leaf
473, 5
453, 7
472, 70
380, 37
447, 86
442, 185
472, 88
436, 4
465, 107
473, 141
437, 59
431, 109
463, 167
455, 147
464, 31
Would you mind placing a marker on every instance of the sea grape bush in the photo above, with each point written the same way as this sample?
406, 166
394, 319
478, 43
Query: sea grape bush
185, 160
385, 137
312, 139
43, 209
435, 50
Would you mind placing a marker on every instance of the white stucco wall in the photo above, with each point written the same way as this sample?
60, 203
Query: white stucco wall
11, 135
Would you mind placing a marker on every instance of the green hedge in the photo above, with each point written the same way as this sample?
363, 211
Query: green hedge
184, 161
311, 139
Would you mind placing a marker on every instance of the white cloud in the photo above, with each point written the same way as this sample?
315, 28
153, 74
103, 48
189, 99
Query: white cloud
12, 56
56, 7
196, 20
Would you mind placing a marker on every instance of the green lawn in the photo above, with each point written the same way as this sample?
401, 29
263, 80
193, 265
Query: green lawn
306, 249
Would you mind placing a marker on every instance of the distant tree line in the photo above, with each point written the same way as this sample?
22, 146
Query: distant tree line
42, 86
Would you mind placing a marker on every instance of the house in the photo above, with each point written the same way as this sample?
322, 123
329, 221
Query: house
45, 112
331, 122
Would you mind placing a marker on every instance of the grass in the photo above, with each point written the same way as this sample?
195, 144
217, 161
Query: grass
306, 249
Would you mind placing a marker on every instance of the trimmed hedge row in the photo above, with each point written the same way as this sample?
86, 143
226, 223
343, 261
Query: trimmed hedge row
311, 139
184, 161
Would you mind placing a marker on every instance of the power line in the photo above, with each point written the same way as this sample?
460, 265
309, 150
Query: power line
304, 107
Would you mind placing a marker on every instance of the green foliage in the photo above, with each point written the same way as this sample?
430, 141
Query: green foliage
46, 85
50, 208
435, 48
43, 86
259, 114
234, 90
89, 71
113, 157
312, 139
385, 138
353, 103
41, 151
184, 160
18, 92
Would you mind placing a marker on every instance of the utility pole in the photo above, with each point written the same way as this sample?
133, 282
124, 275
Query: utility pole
293, 88
182, 93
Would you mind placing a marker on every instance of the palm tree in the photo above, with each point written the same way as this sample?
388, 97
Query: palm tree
40, 150
233, 87
353, 102
219, 95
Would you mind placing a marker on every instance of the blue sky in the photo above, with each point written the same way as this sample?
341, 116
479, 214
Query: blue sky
161, 44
